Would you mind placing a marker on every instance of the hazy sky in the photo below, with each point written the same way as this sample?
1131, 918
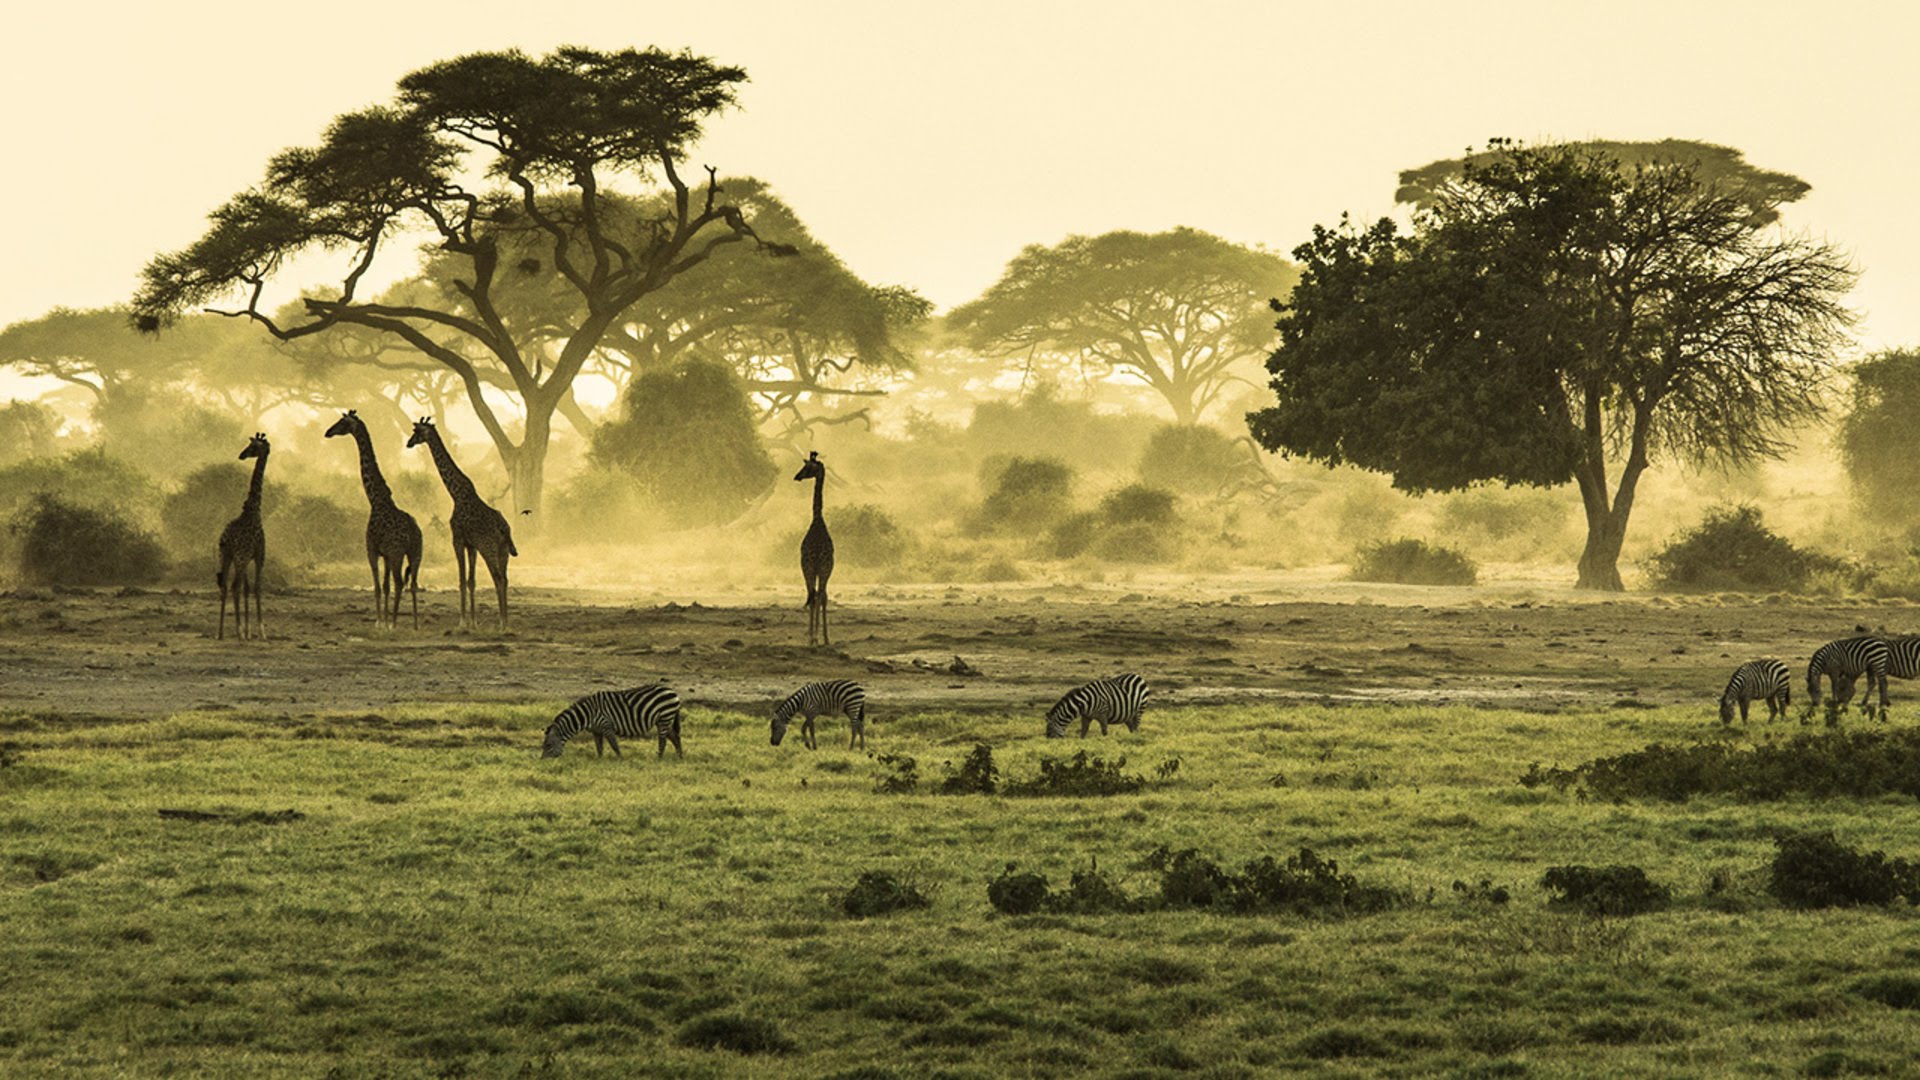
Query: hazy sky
927, 143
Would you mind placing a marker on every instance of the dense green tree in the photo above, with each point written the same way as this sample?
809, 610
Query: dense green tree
1879, 440
1552, 308
688, 436
1179, 310
550, 135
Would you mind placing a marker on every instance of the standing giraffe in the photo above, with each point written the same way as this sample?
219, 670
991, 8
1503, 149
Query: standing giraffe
243, 541
392, 534
479, 531
816, 552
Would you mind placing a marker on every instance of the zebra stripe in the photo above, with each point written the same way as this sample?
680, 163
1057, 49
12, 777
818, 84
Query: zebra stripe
1767, 680
1903, 656
1845, 660
1107, 701
823, 699
612, 715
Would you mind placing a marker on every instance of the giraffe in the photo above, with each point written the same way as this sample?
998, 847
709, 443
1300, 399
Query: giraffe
479, 531
816, 553
243, 541
392, 534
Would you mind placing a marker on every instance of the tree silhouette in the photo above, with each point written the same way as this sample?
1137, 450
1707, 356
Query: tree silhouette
1177, 310
1553, 307
549, 135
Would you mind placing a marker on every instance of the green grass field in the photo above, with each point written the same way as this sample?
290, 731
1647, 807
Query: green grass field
451, 904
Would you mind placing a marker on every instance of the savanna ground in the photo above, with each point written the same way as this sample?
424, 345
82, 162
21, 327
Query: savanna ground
445, 902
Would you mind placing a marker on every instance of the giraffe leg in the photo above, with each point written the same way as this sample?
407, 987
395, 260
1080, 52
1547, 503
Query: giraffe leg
379, 591
413, 586
240, 600
221, 579
497, 570
259, 608
825, 637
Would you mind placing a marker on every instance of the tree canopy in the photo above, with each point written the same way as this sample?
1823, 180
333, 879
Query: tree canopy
1177, 310
1878, 438
549, 135
1552, 307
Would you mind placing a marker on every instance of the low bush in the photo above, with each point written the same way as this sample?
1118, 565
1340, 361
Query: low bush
1136, 544
1139, 504
880, 893
1017, 892
1090, 892
1732, 551
1816, 870
192, 516
1080, 775
901, 778
1864, 764
1302, 884
1026, 493
1606, 890
1413, 562
1193, 460
306, 529
64, 544
867, 537
977, 774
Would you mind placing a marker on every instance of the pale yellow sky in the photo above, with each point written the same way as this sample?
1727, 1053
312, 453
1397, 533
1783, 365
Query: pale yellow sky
928, 143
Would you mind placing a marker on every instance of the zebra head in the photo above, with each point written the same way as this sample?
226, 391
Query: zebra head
781, 718
1726, 708
556, 741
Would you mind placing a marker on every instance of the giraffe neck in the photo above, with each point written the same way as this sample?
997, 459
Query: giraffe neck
456, 481
378, 493
819, 493
252, 505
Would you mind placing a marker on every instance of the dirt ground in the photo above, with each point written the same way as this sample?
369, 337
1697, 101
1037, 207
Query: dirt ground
1196, 641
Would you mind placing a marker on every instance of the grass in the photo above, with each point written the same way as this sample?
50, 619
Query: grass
447, 903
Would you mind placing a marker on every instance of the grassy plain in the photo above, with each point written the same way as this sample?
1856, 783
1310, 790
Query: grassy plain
446, 903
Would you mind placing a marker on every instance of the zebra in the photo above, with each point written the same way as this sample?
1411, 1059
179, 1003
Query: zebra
612, 715
1109, 701
1761, 679
1845, 660
823, 699
1903, 656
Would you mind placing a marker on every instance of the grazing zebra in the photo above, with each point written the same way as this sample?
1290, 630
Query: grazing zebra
1767, 680
1845, 660
823, 699
1109, 701
612, 715
1903, 656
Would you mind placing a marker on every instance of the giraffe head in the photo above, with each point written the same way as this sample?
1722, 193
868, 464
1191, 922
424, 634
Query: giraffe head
812, 467
422, 431
348, 423
256, 446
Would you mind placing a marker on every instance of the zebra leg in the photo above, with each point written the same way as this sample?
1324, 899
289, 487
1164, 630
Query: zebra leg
599, 745
808, 735
677, 752
1743, 712
614, 743
1085, 723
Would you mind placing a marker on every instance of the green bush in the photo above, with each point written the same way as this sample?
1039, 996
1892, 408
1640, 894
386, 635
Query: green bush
88, 478
1140, 504
1193, 460
192, 516
689, 437
1302, 884
1413, 562
864, 536
1861, 765
1091, 892
1025, 493
1731, 551
308, 529
1606, 890
880, 893
977, 774
63, 544
1815, 870
1080, 775
1138, 544
1134, 524
1074, 534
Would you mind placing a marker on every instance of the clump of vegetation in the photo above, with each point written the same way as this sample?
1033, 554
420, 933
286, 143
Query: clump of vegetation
192, 516
1483, 891
1192, 459
689, 438
1302, 884
1081, 775
881, 893
866, 536
64, 544
1509, 518
977, 774
1606, 890
88, 478
1090, 892
1893, 991
1140, 504
1413, 562
1134, 524
1816, 870
1025, 493
901, 778
1731, 551
739, 1034
1863, 764
309, 528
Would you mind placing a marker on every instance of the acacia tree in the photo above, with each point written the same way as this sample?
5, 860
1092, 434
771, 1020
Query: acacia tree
1551, 309
1878, 438
550, 135
1177, 310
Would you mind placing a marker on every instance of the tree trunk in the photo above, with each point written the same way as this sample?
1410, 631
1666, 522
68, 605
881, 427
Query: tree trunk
1600, 560
527, 468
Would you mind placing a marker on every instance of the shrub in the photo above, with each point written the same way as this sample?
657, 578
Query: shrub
1139, 504
1731, 551
866, 536
1017, 893
977, 775
689, 437
880, 893
1141, 544
1606, 890
1041, 421
88, 478
193, 515
1864, 764
1090, 892
1080, 775
1303, 884
1414, 562
740, 1034
1192, 459
1075, 533
902, 777
1815, 870
1026, 493
63, 544
314, 529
